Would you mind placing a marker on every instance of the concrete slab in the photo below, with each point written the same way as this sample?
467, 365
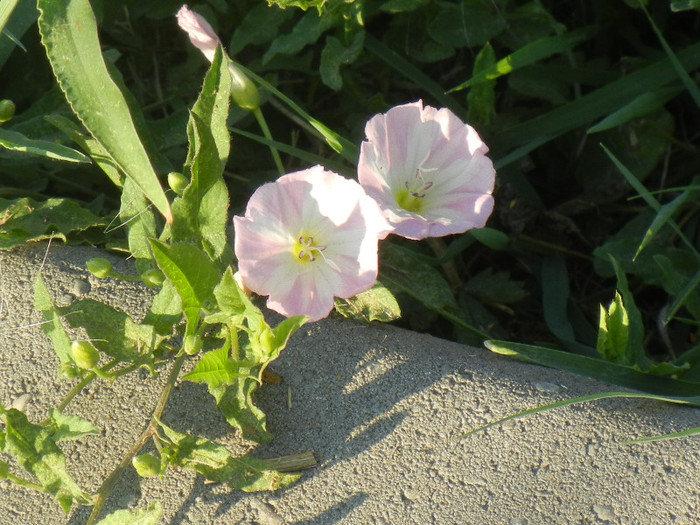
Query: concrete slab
380, 408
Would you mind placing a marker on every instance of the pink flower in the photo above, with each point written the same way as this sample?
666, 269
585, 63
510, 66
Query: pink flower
201, 34
307, 238
427, 170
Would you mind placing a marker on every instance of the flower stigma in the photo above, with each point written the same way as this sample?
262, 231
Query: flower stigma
410, 198
306, 250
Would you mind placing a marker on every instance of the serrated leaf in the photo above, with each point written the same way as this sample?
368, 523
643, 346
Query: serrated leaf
201, 213
36, 452
150, 516
376, 304
52, 325
216, 463
24, 220
13, 141
70, 427
69, 34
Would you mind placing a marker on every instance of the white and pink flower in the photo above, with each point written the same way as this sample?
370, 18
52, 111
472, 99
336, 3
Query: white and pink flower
309, 237
201, 33
428, 171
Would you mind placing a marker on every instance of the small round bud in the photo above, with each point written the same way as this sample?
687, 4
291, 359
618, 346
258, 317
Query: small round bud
153, 278
177, 182
85, 355
68, 371
99, 267
146, 465
243, 91
7, 110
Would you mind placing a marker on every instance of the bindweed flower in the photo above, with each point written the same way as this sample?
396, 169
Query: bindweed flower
203, 37
309, 237
428, 171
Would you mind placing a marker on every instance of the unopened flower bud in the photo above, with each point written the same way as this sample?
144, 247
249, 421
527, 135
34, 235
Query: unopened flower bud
177, 182
153, 278
146, 465
85, 355
99, 267
243, 91
7, 110
193, 344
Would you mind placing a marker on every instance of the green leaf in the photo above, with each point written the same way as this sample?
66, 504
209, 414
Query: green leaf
467, 24
69, 34
236, 404
498, 287
639, 107
151, 516
136, 214
15, 17
88, 144
70, 427
111, 331
376, 304
165, 311
215, 368
685, 391
662, 216
14, 141
583, 399
24, 220
36, 452
555, 297
635, 353
591, 106
216, 463
305, 32
192, 273
481, 99
613, 332
335, 55
526, 55
52, 325
201, 214
403, 271
685, 5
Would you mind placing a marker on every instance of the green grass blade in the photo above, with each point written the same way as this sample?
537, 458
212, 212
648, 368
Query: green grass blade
347, 149
595, 105
69, 34
6, 8
301, 154
529, 54
408, 70
688, 82
576, 400
599, 369
639, 107
663, 215
674, 435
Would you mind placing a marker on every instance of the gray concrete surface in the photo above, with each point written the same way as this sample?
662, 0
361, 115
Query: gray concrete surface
380, 408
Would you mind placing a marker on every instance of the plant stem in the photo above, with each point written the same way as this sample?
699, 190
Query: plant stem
147, 434
266, 132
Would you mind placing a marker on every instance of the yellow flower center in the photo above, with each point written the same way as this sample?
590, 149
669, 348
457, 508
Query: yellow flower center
306, 250
412, 196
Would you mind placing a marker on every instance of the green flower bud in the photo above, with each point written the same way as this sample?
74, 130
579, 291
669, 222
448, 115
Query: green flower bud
193, 344
7, 110
85, 355
146, 465
99, 267
177, 182
68, 371
243, 91
153, 278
